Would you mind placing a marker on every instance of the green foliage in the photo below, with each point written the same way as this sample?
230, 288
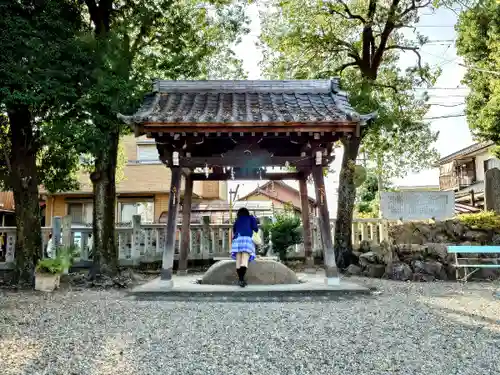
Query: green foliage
57, 161
150, 39
486, 220
359, 175
285, 232
265, 225
319, 39
61, 263
44, 58
48, 265
367, 196
478, 42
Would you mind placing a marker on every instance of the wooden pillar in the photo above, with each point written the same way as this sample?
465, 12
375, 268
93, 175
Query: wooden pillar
306, 222
331, 272
186, 221
173, 206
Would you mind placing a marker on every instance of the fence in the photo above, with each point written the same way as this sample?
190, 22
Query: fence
144, 243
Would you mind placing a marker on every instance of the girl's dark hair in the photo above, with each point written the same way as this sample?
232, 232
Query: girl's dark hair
243, 212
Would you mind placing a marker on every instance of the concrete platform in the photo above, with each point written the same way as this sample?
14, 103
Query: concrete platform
185, 288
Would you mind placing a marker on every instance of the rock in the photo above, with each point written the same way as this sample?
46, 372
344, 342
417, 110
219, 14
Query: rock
367, 258
477, 236
430, 267
400, 271
423, 277
353, 270
495, 240
386, 253
260, 272
364, 246
438, 251
374, 270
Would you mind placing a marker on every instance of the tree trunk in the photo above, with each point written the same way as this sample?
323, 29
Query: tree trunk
24, 183
105, 259
345, 204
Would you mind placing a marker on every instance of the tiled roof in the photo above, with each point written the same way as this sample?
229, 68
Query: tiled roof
301, 101
461, 208
262, 190
477, 187
464, 152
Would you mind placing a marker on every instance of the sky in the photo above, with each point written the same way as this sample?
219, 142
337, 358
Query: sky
454, 133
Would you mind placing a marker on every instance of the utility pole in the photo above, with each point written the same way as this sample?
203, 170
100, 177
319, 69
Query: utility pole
232, 198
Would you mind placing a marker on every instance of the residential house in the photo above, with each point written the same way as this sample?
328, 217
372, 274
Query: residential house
417, 188
464, 171
144, 190
281, 195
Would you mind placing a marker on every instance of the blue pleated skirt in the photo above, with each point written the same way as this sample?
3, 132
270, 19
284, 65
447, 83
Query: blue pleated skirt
243, 244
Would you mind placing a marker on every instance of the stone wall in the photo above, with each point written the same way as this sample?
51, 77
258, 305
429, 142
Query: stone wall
418, 252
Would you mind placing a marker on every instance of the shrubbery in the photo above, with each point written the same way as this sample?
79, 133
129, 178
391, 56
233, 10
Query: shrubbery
285, 232
485, 220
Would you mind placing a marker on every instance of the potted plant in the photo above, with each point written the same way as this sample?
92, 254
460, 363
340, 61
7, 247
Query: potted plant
48, 274
67, 256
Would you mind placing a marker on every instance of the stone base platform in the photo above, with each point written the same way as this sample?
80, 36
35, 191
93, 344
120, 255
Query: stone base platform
185, 288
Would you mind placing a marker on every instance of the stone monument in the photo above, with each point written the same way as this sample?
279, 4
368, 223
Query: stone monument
492, 190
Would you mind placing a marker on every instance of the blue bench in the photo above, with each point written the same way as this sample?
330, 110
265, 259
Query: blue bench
459, 262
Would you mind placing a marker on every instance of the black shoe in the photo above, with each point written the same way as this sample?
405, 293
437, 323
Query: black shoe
242, 283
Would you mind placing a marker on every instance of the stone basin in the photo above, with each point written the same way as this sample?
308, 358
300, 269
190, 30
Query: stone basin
260, 272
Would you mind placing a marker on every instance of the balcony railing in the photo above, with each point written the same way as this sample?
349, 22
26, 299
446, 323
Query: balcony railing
449, 182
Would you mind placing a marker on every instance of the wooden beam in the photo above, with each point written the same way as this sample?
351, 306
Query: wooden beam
173, 206
306, 221
248, 162
186, 221
253, 176
331, 272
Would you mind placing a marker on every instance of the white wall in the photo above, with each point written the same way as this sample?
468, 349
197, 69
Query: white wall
480, 158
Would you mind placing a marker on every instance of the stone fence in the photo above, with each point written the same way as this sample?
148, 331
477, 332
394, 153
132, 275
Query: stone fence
144, 243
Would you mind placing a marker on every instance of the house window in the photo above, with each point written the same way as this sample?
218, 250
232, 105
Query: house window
81, 213
128, 209
148, 154
491, 163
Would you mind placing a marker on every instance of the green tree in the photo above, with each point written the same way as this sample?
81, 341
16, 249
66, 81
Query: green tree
285, 232
361, 41
478, 42
136, 41
41, 66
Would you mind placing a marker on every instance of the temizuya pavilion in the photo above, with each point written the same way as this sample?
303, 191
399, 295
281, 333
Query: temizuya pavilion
234, 130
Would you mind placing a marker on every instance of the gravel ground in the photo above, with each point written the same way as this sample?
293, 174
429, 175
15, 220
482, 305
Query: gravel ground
432, 329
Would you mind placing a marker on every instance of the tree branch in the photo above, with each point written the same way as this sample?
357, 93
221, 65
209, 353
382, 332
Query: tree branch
388, 28
368, 40
348, 15
341, 68
414, 7
415, 50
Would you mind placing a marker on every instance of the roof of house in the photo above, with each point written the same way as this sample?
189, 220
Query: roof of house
477, 187
245, 101
222, 206
461, 208
261, 190
464, 152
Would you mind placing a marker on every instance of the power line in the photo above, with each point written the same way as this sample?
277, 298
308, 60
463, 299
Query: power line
432, 26
447, 96
480, 70
442, 88
446, 105
444, 116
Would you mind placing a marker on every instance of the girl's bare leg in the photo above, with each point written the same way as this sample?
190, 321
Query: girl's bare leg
238, 260
244, 259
